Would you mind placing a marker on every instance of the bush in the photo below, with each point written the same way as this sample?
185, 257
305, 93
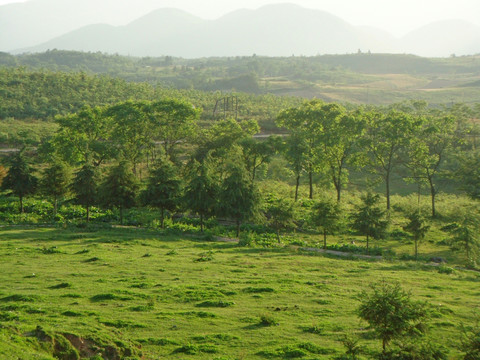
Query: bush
268, 320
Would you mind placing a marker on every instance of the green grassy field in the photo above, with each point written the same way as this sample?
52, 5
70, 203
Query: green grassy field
136, 293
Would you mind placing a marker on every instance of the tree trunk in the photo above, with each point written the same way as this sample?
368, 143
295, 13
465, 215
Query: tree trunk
310, 180
21, 204
55, 207
433, 193
278, 235
238, 228
162, 218
297, 184
121, 215
339, 192
387, 185
88, 213
201, 222
325, 239
416, 249
367, 244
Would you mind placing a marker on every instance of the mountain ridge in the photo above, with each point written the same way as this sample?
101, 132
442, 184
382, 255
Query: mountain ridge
271, 30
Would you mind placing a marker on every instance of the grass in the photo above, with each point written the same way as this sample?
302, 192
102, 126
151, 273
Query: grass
243, 303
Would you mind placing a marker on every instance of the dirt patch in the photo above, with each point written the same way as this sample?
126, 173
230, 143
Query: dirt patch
86, 347
66, 346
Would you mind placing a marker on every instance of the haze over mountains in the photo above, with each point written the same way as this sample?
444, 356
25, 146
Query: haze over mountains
272, 30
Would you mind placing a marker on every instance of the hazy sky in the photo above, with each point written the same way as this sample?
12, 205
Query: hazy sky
396, 16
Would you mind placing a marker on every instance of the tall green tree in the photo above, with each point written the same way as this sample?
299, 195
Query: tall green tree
172, 122
429, 149
369, 219
201, 191
84, 136
163, 189
85, 187
258, 152
238, 198
306, 126
119, 188
295, 152
20, 179
326, 215
468, 173
55, 182
387, 137
341, 139
132, 133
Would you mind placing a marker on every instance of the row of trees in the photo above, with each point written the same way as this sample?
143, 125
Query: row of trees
329, 139
214, 169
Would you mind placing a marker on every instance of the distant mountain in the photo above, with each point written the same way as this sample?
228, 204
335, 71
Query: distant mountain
443, 38
272, 30
275, 30
37, 21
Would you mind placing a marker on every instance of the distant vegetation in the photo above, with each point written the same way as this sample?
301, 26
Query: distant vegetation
356, 78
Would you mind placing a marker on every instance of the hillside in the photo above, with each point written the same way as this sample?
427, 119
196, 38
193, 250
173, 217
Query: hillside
355, 78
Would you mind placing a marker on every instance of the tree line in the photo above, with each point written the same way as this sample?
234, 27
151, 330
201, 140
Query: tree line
154, 153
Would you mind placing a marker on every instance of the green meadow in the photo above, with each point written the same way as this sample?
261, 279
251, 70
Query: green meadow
130, 293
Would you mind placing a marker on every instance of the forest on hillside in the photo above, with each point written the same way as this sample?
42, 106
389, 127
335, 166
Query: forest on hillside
357, 78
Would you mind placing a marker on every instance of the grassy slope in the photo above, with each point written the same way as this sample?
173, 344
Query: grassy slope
157, 285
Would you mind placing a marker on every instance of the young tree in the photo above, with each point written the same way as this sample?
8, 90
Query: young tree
280, 215
417, 227
163, 188
369, 219
392, 313
120, 188
85, 187
326, 216
55, 182
238, 197
465, 235
201, 191
471, 342
19, 178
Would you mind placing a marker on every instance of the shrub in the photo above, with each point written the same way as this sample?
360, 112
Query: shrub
268, 320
